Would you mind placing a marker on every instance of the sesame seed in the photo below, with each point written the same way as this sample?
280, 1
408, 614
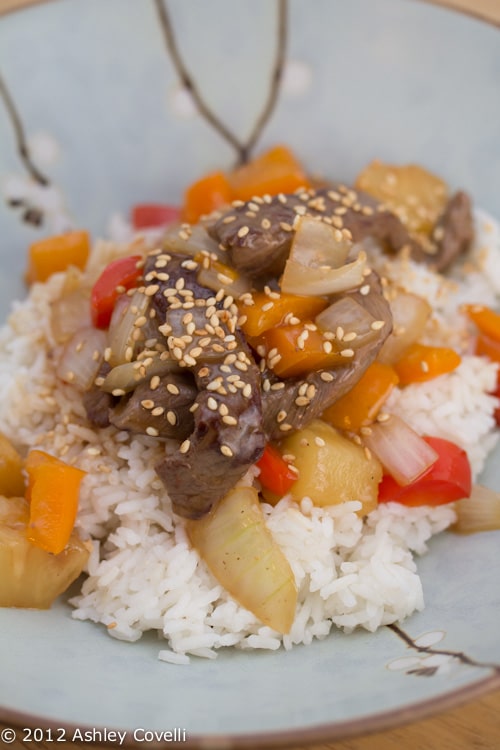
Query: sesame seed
319, 441
152, 431
302, 401
347, 353
227, 419
154, 382
377, 325
171, 388
243, 231
350, 336
212, 403
285, 427
184, 447
365, 290
226, 451
286, 227
247, 390
171, 417
147, 403
265, 224
281, 416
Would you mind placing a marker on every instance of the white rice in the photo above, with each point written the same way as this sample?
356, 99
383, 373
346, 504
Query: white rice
143, 575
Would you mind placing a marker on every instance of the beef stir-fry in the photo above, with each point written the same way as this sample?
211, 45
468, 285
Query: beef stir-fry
190, 376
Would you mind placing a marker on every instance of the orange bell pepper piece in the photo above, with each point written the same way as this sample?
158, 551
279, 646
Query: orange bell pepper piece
275, 171
206, 195
54, 254
420, 363
487, 347
267, 312
53, 492
363, 402
295, 350
486, 319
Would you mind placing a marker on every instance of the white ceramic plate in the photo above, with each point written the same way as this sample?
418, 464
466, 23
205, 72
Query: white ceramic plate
93, 119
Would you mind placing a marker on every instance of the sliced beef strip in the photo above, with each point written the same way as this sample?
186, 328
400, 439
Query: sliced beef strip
227, 439
454, 231
98, 403
291, 403
259, 233
227, 436
159, 407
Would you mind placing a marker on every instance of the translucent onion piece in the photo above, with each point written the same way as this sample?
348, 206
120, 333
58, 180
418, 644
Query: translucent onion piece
410, 314
350, 317
301, 279
479, 512
403, 453
190, 240
318, 244
124, 334
81, 357
216, 276
128, 376
238, 548
72, 308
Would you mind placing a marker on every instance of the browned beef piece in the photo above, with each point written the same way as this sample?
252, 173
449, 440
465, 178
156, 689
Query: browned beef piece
227, 436
227, 439
161, 411
259, 234
98, 403
292, 403
454, 231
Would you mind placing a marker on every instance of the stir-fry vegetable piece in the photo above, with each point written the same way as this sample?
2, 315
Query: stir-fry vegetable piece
151, 215
297, 349
117, 277
269, 310
11, 469
53, 493
447, 480
361, 405
413, 193
275, 171
496, 393
240, 551
276, 475
479, 512
410, 314
331, 468
420, 363
486, 319
54, 254
30, 576
206, 195
403, 453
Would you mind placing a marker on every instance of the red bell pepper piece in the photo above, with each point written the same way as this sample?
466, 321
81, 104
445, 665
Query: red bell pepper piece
275, 474
447, 480
150, 215
117, 277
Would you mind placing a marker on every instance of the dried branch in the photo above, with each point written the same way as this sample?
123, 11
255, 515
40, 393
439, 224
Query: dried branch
21, 143
243, 148
459, 655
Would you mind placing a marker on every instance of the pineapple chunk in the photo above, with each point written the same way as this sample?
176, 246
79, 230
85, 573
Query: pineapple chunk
29, 576
11, 469
415, 195
332, 468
